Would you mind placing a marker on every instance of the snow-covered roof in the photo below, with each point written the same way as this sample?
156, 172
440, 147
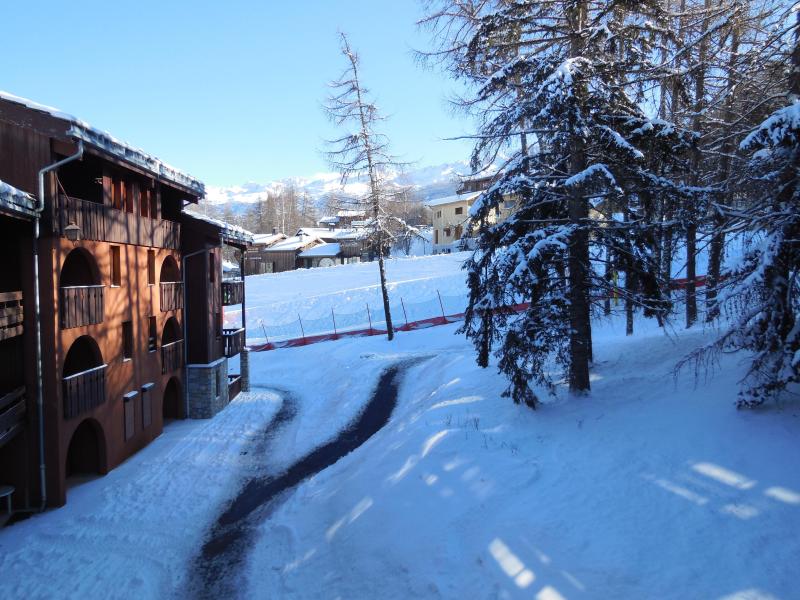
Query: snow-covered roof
337, 234
321, 250
350, 213
228, 232
293, 243
81, 130
16, 200
328, 221
268, 238
453, 199
229, 266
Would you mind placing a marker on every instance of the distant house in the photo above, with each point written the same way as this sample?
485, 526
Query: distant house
343, 219
284, 254
122, 332
255, 261
451, 214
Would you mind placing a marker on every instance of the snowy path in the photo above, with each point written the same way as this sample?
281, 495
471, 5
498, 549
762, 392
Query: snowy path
217, 571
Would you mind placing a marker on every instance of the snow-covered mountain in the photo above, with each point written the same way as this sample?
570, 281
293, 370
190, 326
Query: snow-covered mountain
428, 183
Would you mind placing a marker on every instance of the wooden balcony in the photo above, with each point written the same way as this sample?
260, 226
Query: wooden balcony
81, 305
12, 414
11, 315
232, 292
171, 295
171, 356
84, 391
107, 224
233, 341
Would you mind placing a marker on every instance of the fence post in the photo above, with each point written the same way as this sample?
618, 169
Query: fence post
264, 328
403, 304
302, 331
369, 317
335, 333
441, 305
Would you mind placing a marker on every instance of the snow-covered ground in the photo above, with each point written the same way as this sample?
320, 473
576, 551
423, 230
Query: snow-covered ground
651, 487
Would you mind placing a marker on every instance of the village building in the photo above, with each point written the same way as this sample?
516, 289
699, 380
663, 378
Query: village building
284, 255
451, 221
122, 329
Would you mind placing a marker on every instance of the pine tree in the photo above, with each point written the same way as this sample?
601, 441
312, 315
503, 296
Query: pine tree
760, 297
558, 86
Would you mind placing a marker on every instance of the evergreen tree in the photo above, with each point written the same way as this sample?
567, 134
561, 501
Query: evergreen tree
558, 87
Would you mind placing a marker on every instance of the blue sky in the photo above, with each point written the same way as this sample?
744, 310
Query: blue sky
228, 91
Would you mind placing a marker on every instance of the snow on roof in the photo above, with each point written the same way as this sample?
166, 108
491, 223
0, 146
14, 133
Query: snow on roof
321, 250
16, 200
293, 243
229, 232
229, 266
350, 213
337, 234
268, 238
81, 130
328, 220
453, 199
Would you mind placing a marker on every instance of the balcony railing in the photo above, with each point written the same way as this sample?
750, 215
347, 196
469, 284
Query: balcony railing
81, 305
232, 292
171, 356
233, 341
107, 224
171, 295
11, 314
84, 391
234, 386
12, 414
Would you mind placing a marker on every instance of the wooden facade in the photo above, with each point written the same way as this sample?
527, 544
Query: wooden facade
112, 291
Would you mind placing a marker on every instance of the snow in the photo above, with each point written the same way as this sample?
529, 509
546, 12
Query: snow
268, 238
653, 486
321, 250
83, 131
452, 199
293, 243
16, 200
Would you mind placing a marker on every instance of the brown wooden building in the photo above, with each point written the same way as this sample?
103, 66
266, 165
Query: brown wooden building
104, 367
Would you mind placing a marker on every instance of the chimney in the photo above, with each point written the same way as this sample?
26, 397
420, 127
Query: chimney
274, 231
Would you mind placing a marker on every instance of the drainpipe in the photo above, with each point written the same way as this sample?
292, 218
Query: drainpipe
37, 308
185, 329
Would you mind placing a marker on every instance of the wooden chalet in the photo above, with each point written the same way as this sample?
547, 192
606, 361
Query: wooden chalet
129, 298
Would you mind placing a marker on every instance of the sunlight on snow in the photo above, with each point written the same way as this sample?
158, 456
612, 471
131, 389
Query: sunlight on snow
549, 593
431, 442
511, 564
464, 400
783, 494
750, 594
678, 490
724, 475
742, 511
358, 510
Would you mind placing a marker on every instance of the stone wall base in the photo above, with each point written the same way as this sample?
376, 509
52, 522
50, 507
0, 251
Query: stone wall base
207, 388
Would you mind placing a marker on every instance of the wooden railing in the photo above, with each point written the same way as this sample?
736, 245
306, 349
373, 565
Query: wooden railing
233, 341
232, 292
107, 224
11, 315
171, 356
84, 391
12, 414
171, 295
234, 386
81, 305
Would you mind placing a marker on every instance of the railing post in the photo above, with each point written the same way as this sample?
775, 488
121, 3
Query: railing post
333, 317
440, 304
369, 318
403, 304
302, 331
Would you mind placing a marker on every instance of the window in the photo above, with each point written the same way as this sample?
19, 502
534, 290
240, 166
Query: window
446, 232
508, 204
151, 334
459, 231
459, 210
127, 340
435, 236
147, 405
129, 404
153, 204
128, 196
217, 386
211, 265
218, 323
151, 267
116, 275
438, 214
117, 191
